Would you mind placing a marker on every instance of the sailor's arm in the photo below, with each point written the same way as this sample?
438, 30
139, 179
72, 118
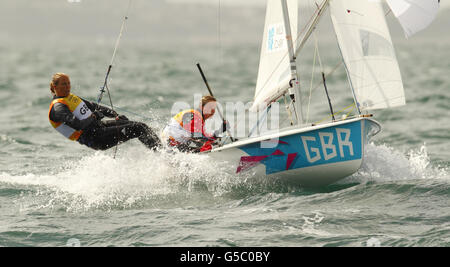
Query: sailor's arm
61, 113
107, 112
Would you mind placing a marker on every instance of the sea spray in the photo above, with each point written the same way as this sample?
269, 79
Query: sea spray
383, 163
136, 176
139, 178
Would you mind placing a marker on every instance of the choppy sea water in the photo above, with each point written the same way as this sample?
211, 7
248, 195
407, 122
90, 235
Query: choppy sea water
53, 191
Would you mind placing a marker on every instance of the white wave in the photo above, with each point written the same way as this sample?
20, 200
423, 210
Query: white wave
136, 175
383, 164
6, 139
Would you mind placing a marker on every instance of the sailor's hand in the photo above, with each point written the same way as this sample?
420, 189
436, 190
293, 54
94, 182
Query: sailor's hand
216, 141
98, 115
196, 142
123, 117
225, 126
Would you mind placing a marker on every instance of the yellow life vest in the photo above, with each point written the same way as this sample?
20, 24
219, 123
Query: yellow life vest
78, 108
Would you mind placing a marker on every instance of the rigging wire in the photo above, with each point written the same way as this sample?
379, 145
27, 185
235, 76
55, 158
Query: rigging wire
323, 72
121, 32
352, 106
129, 112
323, 77
312, 80
105, 84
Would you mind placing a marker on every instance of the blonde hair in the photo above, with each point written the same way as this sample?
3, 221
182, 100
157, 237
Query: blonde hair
206, 99
55, 80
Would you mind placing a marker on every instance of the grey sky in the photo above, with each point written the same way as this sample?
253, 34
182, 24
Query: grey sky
155, 21
444, 3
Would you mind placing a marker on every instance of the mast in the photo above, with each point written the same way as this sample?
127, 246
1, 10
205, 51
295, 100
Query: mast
294, 91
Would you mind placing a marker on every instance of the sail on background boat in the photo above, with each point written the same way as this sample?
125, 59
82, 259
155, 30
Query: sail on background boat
414, 15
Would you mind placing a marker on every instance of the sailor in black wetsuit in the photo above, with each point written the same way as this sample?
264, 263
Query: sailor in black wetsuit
81, 120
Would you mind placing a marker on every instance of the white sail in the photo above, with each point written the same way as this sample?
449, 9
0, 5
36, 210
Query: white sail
274, 67
368, 53
414, 15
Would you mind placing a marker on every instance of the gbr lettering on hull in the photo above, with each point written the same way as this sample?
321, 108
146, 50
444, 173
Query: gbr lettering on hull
322, 146
327, 145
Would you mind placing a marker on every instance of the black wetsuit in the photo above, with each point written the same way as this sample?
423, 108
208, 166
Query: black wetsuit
102, 135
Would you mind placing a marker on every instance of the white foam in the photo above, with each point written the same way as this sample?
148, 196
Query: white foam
383, 164
6, 139
311, 225
136, 175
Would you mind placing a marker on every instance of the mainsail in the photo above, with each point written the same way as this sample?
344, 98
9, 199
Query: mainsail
274, 68
368, 53
414, 15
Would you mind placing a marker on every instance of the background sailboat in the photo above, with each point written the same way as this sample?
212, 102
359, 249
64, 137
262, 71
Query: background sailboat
414, 15
315, 155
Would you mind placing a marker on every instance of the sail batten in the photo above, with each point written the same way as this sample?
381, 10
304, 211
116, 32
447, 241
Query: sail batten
368, 53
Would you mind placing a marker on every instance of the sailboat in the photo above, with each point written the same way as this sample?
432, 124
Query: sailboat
318, 155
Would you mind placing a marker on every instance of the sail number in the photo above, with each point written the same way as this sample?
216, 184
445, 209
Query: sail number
275, 38
328, 145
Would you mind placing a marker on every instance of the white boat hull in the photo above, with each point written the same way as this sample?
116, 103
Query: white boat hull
312, 156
